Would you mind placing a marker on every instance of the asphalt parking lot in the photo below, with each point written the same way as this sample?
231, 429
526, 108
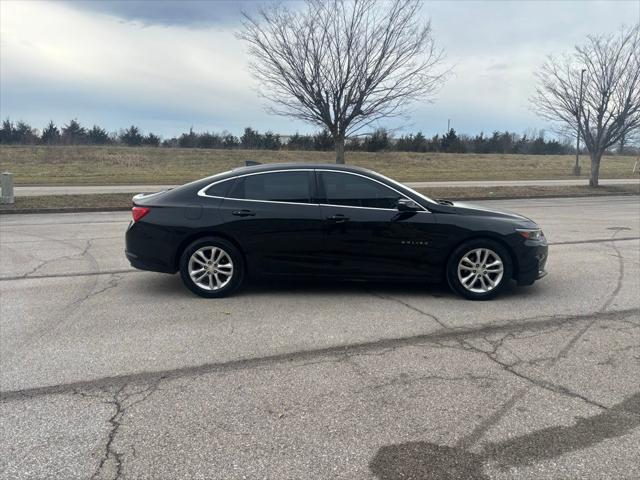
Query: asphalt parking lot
107, 372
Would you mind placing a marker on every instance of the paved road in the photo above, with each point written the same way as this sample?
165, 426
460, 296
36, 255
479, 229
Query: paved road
113, 373
85, 189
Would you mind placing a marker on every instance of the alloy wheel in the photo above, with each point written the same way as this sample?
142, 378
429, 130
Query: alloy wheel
480, 270
210, 268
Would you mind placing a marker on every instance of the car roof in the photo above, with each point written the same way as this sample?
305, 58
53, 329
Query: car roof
263, 167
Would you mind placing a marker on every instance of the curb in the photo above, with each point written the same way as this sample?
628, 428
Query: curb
525, 197
10, 211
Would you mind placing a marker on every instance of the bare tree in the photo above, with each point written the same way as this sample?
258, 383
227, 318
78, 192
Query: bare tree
607, 107
343, 65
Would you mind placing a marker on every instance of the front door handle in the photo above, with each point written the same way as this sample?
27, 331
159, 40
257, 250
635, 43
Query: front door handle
243, 213
338, 218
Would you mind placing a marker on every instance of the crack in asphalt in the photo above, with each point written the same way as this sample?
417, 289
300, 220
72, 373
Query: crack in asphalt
56, 259
119, 400
618, 287
313, 355
112, 283
426, 378
470, 439
71, 274
595, 240
411, 307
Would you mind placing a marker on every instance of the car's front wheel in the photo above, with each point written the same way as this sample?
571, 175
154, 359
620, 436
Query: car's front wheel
212, 267
479, 269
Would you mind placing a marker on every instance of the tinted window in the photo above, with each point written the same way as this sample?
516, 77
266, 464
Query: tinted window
275, 187
220, 189
356, 191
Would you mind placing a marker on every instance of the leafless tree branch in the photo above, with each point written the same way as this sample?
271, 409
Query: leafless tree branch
343, 64
609, 109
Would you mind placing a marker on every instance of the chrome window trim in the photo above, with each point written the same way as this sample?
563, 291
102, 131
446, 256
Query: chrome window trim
201, 192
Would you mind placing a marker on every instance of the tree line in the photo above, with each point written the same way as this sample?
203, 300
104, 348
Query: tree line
72, 133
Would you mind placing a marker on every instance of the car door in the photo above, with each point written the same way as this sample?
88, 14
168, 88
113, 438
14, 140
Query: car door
272, 216
366, 235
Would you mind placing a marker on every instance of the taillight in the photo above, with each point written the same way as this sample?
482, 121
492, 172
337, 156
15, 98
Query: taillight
139, 212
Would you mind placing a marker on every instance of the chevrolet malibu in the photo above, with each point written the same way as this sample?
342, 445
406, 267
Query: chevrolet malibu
327, 221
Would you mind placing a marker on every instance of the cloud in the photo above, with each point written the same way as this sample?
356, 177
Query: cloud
62, 55
189, 13
167, 65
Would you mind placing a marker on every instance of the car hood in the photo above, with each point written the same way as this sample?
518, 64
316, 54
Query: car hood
464, 208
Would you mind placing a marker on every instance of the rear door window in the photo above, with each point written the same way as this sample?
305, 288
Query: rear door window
291, 187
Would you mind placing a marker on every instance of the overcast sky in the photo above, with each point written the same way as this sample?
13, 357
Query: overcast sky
169, 65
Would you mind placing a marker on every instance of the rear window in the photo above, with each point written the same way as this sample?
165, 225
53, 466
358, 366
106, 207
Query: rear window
220, 189
274, 187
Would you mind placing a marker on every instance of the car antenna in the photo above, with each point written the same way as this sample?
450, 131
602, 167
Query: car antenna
251, 163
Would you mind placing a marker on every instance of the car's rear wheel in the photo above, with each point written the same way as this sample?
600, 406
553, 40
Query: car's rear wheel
479, 269
212, 267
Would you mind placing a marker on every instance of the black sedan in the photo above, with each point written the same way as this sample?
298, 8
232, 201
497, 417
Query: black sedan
327, 221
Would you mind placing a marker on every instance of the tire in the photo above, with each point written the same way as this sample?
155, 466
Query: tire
467, 260
212, 267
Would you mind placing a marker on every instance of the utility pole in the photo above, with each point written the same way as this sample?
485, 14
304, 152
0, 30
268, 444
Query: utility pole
576, 167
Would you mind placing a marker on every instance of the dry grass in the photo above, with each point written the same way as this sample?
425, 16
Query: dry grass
123, 200
78, 165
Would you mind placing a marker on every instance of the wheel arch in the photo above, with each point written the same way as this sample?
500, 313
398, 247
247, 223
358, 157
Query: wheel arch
204, 234
493, 238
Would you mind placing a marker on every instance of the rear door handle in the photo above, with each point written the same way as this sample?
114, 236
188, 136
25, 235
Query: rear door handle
338, 218
243, 213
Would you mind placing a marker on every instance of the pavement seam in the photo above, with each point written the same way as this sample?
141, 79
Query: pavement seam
71, 274
309, 355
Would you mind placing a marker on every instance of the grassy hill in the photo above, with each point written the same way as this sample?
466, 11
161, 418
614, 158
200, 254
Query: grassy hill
86, 165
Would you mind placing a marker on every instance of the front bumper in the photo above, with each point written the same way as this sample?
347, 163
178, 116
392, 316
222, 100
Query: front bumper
532, 263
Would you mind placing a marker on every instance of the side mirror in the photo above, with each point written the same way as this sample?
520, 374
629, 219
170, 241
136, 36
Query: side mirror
406, 205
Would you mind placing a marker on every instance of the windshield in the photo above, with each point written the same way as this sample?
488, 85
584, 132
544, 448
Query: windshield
395, 182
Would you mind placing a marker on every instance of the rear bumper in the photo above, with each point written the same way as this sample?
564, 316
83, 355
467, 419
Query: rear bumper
148, 247
149, 264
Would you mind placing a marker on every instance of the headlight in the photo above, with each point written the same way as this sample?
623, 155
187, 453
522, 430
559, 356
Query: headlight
530, 233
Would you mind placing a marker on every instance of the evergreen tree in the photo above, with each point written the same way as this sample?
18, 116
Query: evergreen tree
251, 139
73, 133
23, 134
379, 140
323, 141
6, 132
98, 136
50, 134
300, 142
188, 140
229, 141
209, 140
131, 136
451, 143
419, 143
271, 141
151, 140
